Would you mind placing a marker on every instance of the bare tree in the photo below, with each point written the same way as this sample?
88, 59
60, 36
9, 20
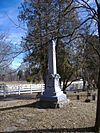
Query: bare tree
92, 14
5, 51
8, 52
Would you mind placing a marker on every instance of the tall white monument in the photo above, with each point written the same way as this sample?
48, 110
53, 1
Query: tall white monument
53, 95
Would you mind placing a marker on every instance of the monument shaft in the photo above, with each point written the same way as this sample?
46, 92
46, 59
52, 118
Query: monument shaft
53, 94
52, 58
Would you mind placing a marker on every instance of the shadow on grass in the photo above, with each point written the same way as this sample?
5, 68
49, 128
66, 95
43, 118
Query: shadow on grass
36, 104
18, 97
57, 130
31, 105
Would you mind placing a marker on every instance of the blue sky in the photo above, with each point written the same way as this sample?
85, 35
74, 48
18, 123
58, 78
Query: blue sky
9, 9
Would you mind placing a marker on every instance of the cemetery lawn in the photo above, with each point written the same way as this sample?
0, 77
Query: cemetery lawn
20, 114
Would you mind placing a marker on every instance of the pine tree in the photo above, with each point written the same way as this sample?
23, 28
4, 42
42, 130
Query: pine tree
47, 19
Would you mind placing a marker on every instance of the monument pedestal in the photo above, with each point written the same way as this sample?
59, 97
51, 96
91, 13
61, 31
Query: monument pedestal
53, 96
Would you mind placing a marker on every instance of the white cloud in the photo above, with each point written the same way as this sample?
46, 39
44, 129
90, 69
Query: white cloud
17, 61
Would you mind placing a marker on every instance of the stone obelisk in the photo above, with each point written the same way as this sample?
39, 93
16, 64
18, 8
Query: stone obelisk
53, 96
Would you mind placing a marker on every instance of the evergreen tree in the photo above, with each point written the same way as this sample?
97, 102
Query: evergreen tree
47, 19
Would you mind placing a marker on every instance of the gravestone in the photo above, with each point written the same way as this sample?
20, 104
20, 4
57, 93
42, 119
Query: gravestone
53, 96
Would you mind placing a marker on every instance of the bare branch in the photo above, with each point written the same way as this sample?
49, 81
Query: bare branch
18, 26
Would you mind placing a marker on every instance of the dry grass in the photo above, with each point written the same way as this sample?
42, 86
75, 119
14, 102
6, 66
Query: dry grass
19, 114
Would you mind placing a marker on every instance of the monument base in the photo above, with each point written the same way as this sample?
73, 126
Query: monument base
54, 101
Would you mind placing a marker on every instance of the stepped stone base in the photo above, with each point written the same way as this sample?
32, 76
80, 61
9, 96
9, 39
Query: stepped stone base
54, 101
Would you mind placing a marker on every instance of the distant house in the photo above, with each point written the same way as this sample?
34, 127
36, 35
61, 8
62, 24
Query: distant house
75, 85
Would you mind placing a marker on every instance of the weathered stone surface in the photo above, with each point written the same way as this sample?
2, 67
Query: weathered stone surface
53, 96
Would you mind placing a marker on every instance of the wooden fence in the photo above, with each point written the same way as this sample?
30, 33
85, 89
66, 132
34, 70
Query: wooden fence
20, 89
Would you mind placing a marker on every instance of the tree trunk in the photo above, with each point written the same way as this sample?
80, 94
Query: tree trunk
97, 123
84, 84
64, 86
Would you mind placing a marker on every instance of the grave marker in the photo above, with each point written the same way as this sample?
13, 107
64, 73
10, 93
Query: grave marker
53, 96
